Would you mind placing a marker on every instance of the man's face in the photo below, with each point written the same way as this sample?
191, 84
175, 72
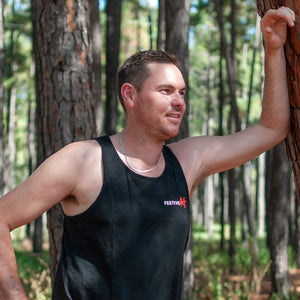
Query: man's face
160, 104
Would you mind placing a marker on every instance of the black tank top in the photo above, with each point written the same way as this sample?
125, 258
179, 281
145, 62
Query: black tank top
129, 244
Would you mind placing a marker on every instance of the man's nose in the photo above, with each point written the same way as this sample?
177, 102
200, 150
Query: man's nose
178, 99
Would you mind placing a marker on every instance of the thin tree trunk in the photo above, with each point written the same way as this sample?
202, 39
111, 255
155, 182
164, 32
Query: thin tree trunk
113, 10
38, 235
297, 234
1, 93
256, 44
261, 197
232, 219
209, 205
31, 130
220, 132
161, 37
10, 148
96, 65
278, 210
177, 33
65, 81
231, 67
230, 63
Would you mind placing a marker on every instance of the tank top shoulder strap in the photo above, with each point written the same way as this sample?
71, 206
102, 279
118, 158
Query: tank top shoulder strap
175, 165
104, 141
107, 149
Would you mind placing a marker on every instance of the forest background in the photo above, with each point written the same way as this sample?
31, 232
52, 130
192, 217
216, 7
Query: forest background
245, 221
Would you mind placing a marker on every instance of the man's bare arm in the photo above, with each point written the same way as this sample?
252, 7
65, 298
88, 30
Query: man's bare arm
202, 156
54, 181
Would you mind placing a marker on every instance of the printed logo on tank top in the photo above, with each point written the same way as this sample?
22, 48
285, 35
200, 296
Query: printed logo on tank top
182, 202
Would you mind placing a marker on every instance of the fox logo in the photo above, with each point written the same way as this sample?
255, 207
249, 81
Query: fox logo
183, 202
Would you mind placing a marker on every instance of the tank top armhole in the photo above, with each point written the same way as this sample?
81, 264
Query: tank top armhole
170, 153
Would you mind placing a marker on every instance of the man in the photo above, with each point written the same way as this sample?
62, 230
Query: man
126, 197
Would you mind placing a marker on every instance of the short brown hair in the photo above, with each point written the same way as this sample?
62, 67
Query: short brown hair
135, 69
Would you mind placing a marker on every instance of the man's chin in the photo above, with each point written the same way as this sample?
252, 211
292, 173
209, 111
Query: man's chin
172, 136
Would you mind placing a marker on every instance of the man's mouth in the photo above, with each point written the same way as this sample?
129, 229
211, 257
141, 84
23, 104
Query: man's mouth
173, 116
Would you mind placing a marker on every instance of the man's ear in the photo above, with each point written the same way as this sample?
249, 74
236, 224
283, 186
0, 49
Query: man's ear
128, 94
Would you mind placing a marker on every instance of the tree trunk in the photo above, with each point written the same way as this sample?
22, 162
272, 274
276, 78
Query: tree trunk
232, 219
278, 218
261, 205
297, 234
177, 32
220, 132
113, 10
161, 36
231, 64
1, 93
65, 103
10, 147
209, 197
38, 235
231, 67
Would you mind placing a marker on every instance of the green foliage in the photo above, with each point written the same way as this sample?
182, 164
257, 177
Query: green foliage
213, 279
35, 274
19, 76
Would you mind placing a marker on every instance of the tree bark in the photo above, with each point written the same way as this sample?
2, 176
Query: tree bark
65, 103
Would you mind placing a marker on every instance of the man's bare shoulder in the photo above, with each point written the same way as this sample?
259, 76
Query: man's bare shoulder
80, 150
192, 154
184, 148
75, 156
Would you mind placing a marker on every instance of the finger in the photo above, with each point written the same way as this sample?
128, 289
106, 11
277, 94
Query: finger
282, 13
288, 14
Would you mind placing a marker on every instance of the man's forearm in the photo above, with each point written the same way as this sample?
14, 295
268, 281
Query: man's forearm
10, 284
276, 108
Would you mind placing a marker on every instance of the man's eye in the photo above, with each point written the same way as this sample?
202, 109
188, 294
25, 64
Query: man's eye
165, 91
